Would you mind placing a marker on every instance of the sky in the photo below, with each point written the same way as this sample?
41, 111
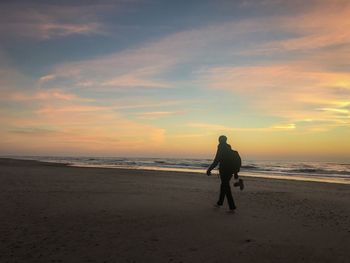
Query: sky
166, 78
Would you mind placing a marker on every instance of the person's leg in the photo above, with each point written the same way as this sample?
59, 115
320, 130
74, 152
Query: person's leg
222, 194
239, 184
227, 190
231, 202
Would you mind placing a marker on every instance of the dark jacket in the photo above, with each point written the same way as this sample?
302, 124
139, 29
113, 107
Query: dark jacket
223, 158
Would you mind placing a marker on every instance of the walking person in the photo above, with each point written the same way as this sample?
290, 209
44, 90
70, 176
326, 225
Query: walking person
229, 163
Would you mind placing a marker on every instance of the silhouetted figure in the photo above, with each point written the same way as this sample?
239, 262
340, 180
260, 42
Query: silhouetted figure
225, 157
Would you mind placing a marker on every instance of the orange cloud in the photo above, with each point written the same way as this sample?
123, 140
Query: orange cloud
72, 108
134, 80
292, 91
44, 95
81, 130
157, 114
324, 26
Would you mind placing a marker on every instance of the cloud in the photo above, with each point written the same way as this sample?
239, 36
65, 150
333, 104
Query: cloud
139, 68
303, 75
46, 21
292, 92
32, 130
50, 30
158, 114
134, 80
145, 103
78, 129
336, 110
287, 77
42, 95
208, 126
148, 64
70, 109
215, 128
56, 121
47, 78
292, 86
322, 27
304, 33
288, 126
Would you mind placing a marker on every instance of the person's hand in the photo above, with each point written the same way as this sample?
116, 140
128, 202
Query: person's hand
208, 172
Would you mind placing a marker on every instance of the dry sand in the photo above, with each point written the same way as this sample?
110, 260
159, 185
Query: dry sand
55, 213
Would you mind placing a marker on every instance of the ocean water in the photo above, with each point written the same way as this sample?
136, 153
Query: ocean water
310, 171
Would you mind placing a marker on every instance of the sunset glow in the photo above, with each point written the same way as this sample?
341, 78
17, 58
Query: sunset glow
163, 78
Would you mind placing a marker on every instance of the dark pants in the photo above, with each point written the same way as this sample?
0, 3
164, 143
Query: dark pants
225, 190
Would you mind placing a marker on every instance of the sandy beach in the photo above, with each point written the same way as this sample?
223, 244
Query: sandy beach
56, 213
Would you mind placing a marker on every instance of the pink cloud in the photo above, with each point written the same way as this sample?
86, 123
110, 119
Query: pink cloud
81, 130
79, 108
294, 92
41, 95
134, 80
158, 114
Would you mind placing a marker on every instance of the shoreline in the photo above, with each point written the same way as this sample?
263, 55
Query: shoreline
296, 177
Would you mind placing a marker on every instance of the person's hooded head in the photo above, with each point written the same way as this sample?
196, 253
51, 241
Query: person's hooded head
223, 142
222, 139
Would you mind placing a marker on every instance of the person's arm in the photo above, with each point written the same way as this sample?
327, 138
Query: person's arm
215, 162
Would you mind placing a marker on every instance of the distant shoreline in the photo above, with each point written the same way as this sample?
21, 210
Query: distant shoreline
311, 178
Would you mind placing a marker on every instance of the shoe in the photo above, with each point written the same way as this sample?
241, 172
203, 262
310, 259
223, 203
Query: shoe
241, 184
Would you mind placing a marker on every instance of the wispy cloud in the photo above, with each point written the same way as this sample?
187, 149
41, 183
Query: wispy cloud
43, 95
70, 109
135, 80
47, 78
50, 30
158, 114
287, 91
77, 129
208, 126
288, 126
46, 21
216, 128
141, 68
292, 87
144, 66
322, 27
32, 131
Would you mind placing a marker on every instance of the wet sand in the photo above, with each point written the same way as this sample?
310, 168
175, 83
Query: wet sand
56, 213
